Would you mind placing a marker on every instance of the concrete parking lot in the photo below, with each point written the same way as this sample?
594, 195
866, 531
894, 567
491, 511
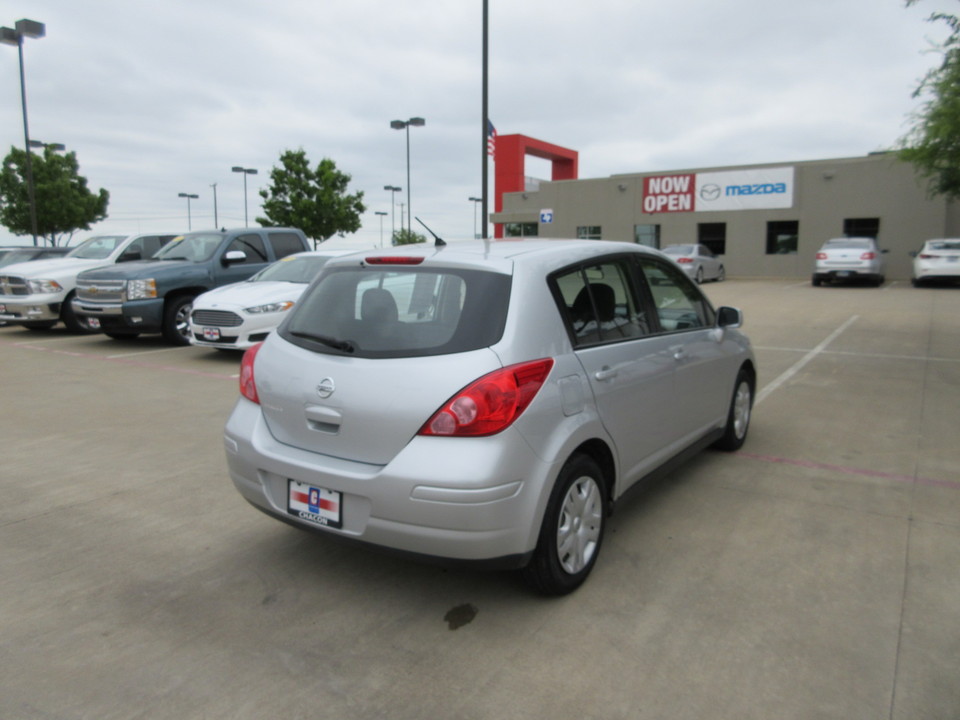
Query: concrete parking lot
814, 574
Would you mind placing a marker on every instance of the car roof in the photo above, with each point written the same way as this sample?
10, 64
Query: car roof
505, 252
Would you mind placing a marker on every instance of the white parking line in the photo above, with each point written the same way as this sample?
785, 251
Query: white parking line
850, 353
799, 365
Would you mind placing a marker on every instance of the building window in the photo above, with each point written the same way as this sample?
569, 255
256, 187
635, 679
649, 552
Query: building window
782, 237
521, 230
648, 235
588, 232
714, 236
862, 227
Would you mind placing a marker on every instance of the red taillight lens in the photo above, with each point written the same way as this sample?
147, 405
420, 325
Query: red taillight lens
684, 261
490, 404
821, 256
393, 260
868, 256
248, 384
927, 257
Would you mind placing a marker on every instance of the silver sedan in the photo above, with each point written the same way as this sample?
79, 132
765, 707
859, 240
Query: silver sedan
697, 261
486, 402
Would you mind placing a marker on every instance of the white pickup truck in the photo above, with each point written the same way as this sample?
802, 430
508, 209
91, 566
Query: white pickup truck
37, 294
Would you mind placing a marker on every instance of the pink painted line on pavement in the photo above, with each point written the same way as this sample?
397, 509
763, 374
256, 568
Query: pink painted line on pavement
851, 470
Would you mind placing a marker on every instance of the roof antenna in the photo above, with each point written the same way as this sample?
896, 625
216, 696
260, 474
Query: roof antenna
439, 241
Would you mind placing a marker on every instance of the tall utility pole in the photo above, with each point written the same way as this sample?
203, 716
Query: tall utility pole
216, 223
485, 120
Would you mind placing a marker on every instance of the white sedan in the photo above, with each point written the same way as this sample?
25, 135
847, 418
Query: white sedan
238, 316
697, 261
938, 260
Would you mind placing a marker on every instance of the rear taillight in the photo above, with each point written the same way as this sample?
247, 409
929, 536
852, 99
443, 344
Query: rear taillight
821, 256
927, 257
684, 261
248, 384
492, 403
869, 256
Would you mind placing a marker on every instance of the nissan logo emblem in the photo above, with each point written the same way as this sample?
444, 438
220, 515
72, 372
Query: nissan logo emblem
326, 387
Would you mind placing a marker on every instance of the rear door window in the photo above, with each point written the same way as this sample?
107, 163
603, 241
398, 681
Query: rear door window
599, 303
285, 243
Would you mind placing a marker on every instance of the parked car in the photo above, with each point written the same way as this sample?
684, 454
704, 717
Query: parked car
937, 261
697, 261
28, 253
853, 258
238, 316
486, 402
156, 296
38, 294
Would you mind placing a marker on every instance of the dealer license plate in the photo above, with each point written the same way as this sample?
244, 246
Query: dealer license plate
93, 323
315, 505
211, 333
844, 273
3, 308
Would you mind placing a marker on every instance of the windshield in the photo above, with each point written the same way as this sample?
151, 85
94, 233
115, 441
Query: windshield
401, 312
97, 248
195, 248
944, 245
678, 250
295, 269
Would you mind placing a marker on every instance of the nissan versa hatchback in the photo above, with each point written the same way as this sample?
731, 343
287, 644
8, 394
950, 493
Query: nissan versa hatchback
486, 401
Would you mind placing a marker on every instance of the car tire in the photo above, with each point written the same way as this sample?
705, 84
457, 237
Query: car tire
699, 277
122, 336
815, 281
738, 417
40, 325
70, 319
572, 530
176, 320
722, 275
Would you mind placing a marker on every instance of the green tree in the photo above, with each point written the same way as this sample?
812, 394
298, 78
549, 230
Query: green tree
408, 237
933, 143
64, 203
316, 201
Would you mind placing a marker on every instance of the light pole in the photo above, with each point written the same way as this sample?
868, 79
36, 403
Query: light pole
381, 213
56, 147
216, 223
475, 200
15, 36
245, 171
400, 125
393, 209
189, 197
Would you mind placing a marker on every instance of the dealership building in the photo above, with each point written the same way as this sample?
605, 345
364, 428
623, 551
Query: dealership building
764, 220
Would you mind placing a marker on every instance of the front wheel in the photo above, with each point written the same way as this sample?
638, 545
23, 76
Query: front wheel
572, 530
176, 320
738, 417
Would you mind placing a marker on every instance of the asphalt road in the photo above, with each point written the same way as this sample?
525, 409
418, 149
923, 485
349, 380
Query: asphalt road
814, 574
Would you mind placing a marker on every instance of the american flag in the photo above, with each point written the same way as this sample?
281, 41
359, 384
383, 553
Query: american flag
491, 140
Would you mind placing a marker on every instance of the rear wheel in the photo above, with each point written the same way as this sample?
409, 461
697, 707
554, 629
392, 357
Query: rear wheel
699, 277
176, 320
572, 530
815, 281
722, 275
738, 417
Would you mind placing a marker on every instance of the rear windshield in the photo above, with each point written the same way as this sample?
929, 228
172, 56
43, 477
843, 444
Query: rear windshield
852, 243
944, 245
408, 312
678, 250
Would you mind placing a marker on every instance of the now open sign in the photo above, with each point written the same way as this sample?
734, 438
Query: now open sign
669, 193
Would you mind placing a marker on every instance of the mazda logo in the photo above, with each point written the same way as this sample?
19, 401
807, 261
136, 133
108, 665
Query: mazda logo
326, 387
710, 192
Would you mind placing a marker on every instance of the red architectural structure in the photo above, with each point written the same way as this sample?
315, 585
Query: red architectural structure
509, 175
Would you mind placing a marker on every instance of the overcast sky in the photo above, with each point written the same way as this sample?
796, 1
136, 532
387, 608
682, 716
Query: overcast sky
159, 98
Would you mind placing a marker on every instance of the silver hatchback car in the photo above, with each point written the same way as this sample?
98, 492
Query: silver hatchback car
486, 401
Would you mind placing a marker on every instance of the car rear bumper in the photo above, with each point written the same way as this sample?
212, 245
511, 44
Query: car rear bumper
455, 499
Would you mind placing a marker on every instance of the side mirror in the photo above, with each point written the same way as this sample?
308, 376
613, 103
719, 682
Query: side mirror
729, 317
884, 252
233, 257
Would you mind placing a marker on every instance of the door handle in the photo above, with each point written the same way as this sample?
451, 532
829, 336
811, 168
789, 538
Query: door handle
678, 352
605, 373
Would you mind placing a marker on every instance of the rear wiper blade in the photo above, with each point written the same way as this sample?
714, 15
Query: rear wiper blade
342, 345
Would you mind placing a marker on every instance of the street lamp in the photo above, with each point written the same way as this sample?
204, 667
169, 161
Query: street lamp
393, 209
400, 125
189, 197
381, 213
56, 147
15, 36
475, 200
245, 171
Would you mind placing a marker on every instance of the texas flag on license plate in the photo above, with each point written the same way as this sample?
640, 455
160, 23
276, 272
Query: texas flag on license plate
315, 504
